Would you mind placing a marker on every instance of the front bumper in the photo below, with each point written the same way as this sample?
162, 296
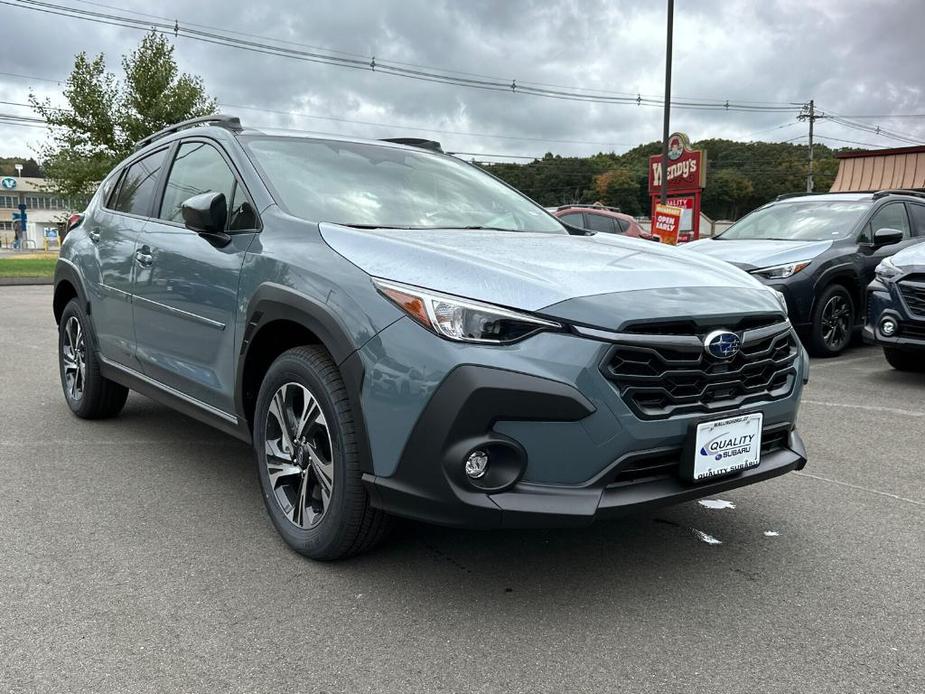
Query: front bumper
884, 300
570, 449
435, 500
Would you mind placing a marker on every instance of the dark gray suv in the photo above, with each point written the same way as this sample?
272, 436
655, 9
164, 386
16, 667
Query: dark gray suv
397, 332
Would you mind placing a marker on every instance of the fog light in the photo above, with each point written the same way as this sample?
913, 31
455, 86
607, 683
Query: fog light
888, 327
476, 464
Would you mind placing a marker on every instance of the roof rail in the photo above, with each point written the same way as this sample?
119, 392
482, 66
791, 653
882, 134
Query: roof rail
222, 120
590, 206
898, 191
418, 142
785, 196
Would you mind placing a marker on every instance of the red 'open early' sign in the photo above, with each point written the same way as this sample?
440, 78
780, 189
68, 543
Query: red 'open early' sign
667, 223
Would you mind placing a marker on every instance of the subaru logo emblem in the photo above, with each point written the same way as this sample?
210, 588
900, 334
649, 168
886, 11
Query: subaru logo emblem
721, 344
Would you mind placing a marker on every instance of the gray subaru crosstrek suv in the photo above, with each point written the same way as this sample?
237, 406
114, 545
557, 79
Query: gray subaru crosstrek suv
398, 333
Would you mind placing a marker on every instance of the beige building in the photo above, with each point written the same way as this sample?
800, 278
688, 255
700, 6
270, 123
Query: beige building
44, 210
880, 169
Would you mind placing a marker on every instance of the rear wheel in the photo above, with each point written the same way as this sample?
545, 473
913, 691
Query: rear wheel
307, 459
904, 361
87, 392
833, 322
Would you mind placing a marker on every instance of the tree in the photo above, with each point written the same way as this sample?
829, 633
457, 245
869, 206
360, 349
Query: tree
106, 117
619, 188
30, 167
726, 193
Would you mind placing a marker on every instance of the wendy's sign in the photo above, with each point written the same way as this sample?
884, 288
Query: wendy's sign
687, 170
687, 176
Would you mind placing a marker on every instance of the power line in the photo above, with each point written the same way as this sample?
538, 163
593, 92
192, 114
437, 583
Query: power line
371, 64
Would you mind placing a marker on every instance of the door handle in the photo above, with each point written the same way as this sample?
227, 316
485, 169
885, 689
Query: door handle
94, 235
144, 259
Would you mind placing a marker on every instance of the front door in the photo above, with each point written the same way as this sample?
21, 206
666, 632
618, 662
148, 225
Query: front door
186, 287
113, 228
890, 216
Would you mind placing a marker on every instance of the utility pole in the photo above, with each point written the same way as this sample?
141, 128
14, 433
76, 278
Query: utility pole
808, 112
665, 124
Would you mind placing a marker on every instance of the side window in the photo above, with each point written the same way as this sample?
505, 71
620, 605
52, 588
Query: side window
199, 168
575, 219
917, 212
892, 216
598, 222
135, 192
622, 225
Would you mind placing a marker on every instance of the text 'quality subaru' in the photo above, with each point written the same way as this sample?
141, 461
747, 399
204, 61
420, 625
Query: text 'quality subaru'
399, 333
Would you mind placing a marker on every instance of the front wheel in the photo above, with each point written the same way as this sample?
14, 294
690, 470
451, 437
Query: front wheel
88, 393
833, 322
307, 459
904, 361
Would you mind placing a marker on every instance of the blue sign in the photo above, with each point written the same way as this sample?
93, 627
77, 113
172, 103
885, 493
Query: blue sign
8, 182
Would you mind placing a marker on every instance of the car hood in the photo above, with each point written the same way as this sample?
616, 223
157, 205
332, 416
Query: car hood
910, 257
751, 254
530, 271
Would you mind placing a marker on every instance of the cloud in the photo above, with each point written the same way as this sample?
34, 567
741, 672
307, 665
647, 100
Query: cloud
851, 57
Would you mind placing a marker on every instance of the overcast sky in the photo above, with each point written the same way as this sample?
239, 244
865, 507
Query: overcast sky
853, 57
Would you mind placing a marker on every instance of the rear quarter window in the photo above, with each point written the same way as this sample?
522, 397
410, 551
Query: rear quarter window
137, 186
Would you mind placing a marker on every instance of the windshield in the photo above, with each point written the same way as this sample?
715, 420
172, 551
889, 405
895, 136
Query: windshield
799, 221
381, 186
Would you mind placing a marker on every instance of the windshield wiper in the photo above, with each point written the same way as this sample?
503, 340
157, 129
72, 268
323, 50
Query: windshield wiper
476, 227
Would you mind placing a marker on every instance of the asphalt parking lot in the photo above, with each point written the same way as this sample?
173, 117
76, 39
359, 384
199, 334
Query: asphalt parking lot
136, 555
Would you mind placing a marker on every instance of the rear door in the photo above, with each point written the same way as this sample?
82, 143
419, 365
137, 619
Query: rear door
113, 228
186, 287
602, 223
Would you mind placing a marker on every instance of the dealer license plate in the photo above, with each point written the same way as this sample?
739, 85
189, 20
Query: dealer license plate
727, 445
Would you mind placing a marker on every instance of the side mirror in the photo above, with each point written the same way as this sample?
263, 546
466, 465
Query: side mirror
207, 214
886, 237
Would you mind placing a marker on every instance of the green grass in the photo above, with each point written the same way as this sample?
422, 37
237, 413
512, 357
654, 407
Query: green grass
28, 266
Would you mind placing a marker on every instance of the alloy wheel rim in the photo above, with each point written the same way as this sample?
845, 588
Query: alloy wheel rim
74, 359
299, 455
836, 319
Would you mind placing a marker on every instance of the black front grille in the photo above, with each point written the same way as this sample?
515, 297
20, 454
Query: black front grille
913, 291
662, 376
654, 465
916, 331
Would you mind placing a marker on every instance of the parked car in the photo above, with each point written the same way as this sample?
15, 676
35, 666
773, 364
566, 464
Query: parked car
896, 309
597, 218
397, 332
820, 251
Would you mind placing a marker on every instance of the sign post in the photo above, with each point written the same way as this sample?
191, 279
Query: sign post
686, 178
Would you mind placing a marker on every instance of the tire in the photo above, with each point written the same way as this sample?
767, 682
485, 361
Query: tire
86, 391
833, 322
904, 361
317, 461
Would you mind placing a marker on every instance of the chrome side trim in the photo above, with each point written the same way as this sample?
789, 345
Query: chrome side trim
169, 390
116, 292
195, 317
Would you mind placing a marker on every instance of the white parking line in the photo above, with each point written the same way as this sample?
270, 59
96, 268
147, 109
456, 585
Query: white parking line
863, 489
869, 408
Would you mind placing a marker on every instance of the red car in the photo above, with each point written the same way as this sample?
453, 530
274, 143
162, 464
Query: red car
608, 220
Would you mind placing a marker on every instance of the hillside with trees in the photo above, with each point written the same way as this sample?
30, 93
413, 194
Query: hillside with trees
740, 176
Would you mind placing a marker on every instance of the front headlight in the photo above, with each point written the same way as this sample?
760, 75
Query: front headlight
886, 270
462, 320
780, 272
